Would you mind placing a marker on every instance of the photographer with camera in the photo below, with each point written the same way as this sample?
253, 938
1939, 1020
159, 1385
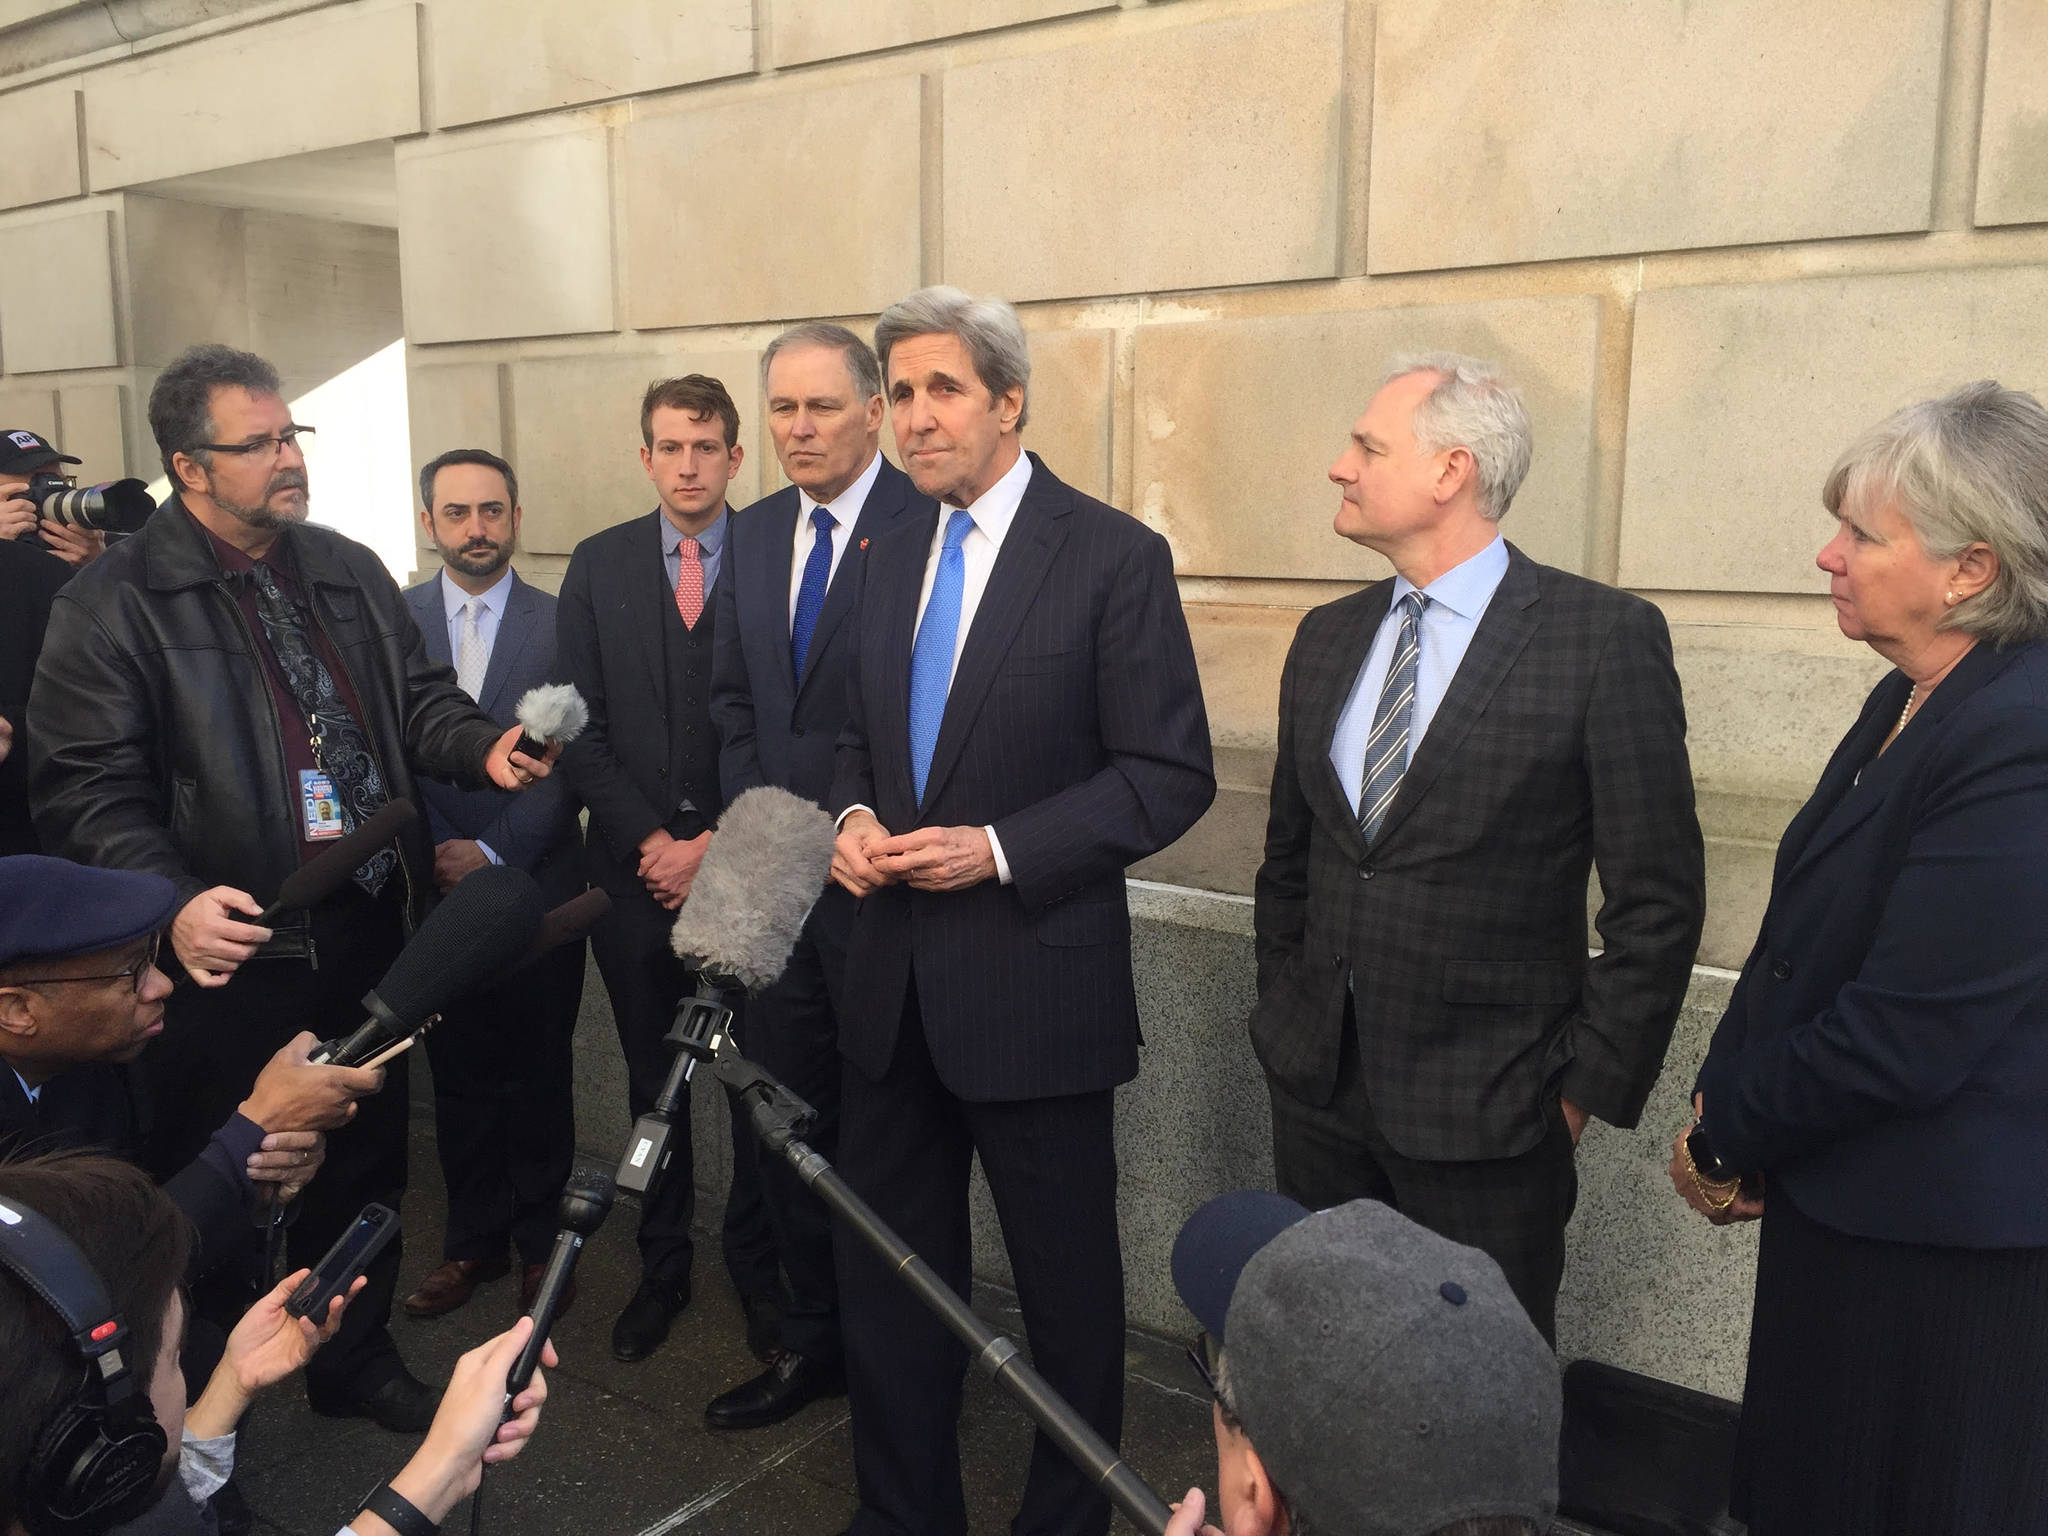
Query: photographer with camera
34, 501
90, 1257
29, 578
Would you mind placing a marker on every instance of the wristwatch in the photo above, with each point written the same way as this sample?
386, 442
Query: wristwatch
398, 1512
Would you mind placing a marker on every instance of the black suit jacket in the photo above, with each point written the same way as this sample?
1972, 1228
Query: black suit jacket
628, 766
1561, 743
770, 731
535, 829
1075, 727
1884, 1058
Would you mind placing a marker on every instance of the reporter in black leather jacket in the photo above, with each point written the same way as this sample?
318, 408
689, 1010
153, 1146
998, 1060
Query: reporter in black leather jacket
215, 698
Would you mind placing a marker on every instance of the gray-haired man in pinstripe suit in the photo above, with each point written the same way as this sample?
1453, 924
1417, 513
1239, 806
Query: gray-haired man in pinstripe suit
1459, 744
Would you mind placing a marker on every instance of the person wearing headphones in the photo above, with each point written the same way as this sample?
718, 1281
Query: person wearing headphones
94, 1430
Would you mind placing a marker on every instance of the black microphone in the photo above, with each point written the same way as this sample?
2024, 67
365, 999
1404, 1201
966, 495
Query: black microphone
329, 869
767, 863
481, 928
586, 1201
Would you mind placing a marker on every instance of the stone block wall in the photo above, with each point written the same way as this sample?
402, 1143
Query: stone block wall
1712, 243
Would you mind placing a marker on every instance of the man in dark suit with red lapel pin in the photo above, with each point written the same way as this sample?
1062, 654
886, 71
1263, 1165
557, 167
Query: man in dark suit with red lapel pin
778, 697
1024, 720
1459, 745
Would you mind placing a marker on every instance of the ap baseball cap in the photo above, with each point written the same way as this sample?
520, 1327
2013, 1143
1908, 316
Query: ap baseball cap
22, 451
55, 907
1387, 1376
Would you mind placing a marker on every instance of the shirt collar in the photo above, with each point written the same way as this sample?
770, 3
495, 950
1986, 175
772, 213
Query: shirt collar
495, 597
31, 1094
846, 508
709, 542
996, 508
1466, 588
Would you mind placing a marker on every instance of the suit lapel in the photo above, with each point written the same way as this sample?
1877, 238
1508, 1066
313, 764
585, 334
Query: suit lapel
771, 575
647, 593
1027, 554
1337, 675
885, 502
515, 629
1503, 632
1854, 797
889, 621
430, 612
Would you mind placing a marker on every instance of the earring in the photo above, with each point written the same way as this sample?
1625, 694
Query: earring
1951, 599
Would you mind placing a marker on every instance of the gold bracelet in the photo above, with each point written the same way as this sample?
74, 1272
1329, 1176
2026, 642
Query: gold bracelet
1709, 1188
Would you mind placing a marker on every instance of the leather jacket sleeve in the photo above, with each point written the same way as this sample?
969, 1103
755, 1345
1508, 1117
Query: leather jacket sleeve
92, 790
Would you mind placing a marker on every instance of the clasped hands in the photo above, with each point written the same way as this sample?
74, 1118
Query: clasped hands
865, 858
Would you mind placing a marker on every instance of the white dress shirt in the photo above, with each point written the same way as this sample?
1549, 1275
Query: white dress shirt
845, 512
1458, 600
993, 513
494, 598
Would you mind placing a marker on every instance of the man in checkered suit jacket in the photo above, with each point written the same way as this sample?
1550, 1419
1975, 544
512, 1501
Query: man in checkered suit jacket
1458, 745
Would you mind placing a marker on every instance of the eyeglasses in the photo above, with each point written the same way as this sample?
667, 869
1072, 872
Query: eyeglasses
1203, 1355
269, 447
132, 974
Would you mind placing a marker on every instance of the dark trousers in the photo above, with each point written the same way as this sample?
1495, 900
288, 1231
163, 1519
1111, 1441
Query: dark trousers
504, 1109
905, 1147
792, 1030
216, 1040
644, 980
1511, 1208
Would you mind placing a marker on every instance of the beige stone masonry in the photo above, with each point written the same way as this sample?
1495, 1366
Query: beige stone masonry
2012, 146
188, 276
506, 236
1202, 155
39, 129
57, 292
491, 58
345, 75
26, 408
1237, 422
1523, 130
732, 250
1741, 398
1072, 376
806, 31
576, 434
90, 419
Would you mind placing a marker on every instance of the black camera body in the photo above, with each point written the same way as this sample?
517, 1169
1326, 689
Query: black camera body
117, 506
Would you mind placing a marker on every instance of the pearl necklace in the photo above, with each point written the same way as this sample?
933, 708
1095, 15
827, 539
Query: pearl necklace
1912, 698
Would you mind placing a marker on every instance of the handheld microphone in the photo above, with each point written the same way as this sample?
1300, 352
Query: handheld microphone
767, 864
586, 1201
329, 869
489, 921
554, 712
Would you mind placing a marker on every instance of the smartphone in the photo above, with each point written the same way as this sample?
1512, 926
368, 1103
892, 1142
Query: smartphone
349, 1257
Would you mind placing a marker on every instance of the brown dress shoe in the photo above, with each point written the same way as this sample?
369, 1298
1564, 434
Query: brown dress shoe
529, 1288
453, 1283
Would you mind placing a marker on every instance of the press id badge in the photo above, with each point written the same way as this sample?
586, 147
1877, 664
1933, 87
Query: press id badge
320, 805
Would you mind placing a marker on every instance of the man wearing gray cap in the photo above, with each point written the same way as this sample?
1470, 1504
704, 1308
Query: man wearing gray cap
1369, 1376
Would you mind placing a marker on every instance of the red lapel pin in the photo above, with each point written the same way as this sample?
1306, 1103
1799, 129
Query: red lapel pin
863, 543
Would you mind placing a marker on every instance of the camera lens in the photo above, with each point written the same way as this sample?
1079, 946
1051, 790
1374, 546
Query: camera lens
119, 506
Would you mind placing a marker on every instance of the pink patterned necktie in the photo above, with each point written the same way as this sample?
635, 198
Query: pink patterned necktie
689, 582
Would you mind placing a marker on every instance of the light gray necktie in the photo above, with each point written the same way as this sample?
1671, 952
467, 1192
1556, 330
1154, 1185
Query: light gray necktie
1386, 750
472, 656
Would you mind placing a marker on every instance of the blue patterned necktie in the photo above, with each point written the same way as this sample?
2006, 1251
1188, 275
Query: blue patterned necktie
931, 655
810, 597
1386, 750
339, 745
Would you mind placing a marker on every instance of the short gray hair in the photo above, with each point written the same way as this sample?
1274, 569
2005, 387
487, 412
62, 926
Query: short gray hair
988, 328
1970, 467
860, 357
1474, 407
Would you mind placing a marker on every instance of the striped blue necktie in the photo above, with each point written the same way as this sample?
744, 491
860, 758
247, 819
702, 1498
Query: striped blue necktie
1386, 750
810, 597
931, 654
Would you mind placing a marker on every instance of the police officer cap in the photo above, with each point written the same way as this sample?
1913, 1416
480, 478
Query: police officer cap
55, 907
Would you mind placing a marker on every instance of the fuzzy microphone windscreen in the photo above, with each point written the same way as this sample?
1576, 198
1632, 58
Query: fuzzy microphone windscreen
555, 712
767, 863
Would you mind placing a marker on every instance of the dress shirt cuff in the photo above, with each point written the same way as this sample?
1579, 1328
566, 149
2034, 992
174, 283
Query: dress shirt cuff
839, 822
488, 851
995, 846
204, 1466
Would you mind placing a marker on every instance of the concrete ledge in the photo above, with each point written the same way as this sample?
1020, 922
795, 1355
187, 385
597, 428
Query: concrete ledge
1647, 1286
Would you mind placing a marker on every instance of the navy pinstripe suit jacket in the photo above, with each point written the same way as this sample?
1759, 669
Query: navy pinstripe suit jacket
1462, 929
1075, 727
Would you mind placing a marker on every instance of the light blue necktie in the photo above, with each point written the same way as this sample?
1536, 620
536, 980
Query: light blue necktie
1386, 750
810, 597
931, 655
